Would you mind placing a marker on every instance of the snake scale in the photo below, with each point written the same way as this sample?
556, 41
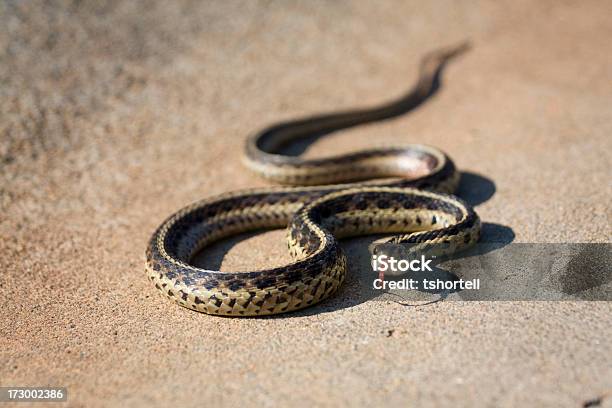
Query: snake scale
404, 190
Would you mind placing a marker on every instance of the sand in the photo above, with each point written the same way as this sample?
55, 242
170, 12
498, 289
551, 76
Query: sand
114, 115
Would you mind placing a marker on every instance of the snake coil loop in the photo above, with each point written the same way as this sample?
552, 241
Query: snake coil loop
410, 201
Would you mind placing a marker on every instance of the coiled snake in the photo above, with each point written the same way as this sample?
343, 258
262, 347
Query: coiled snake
407, 197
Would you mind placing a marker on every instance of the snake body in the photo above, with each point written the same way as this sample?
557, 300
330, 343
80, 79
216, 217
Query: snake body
409, 195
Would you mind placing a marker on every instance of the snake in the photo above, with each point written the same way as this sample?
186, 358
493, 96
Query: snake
406, 191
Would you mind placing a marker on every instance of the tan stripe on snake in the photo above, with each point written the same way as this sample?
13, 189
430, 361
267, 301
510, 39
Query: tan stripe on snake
407, 197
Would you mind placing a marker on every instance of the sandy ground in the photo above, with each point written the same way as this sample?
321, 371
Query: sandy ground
114, 115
